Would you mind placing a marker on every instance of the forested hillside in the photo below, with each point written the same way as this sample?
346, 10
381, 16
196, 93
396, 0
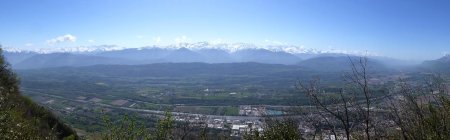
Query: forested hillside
21, 118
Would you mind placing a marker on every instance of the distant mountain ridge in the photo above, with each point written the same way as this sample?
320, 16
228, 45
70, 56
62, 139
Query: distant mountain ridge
228, 47
340, 63
65, 59
30, 60
202, 52
445, 58
441, 65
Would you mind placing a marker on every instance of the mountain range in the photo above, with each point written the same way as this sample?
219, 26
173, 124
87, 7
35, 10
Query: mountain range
188, 53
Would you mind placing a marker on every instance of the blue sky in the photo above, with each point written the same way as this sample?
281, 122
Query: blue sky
408, 29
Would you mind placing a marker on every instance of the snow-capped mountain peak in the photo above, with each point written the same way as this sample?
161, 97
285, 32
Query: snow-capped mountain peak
228, 47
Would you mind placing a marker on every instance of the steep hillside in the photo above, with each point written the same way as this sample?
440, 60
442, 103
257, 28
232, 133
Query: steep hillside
21, 118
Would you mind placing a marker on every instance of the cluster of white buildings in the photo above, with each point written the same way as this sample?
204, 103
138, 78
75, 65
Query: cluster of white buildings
247, 110
237, 126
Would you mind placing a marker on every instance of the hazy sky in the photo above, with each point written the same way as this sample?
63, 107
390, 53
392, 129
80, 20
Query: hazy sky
411, 29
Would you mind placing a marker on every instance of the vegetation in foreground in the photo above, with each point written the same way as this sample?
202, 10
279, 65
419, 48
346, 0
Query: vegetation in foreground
21, 118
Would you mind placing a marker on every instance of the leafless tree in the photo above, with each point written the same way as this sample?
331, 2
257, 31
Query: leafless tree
187, 130
422, 111
359, 80
336, 106
342, 106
